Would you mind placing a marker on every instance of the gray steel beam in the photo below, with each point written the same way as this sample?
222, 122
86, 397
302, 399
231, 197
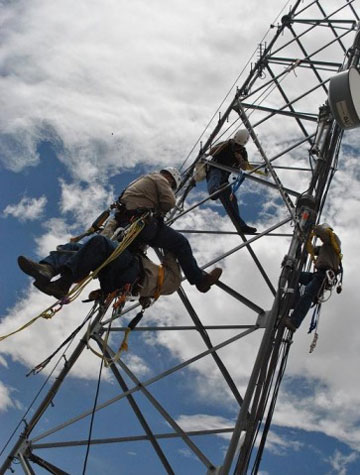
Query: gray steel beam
134, 438
49, 396
206, 339
146, 383
192, 446
141, 418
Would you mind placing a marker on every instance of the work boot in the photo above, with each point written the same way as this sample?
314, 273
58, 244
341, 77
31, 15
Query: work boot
58, 289
248, 229
40, 272
209, 279
289, 324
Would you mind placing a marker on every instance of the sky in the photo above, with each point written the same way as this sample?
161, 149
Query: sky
92, 96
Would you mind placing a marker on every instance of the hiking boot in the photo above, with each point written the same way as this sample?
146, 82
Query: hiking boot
40, 272
289, 324
248, 229
58, 289
209, 279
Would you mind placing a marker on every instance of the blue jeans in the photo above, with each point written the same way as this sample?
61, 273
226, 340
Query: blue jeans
313, 282
81, 259
215, 179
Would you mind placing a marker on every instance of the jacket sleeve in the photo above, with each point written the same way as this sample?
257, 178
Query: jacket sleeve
166, 197
242, 158
217, 149
243, 163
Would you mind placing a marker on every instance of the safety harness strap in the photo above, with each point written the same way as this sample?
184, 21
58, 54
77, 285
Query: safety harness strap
160, 282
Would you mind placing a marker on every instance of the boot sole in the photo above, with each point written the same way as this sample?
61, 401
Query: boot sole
47, 288
215, 277
28, 269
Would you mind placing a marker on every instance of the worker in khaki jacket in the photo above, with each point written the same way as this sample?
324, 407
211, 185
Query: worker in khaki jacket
328, 259
155, 192
75, 261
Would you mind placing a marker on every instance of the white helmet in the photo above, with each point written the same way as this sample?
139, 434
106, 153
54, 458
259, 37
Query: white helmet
325, 226
174, 172
241, 137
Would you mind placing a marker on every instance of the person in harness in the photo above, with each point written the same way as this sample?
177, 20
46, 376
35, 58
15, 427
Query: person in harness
75, 261
154, 194
327, 264
231, 153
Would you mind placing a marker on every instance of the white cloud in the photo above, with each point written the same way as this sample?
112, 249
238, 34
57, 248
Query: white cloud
340, 462
281, 445
57, 231
30, 346
5, 397
136, 364
84, 202
28, 209
3, 362
102, 89
196, 422
111, 97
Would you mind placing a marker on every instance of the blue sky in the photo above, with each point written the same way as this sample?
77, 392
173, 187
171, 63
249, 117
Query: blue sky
93, 96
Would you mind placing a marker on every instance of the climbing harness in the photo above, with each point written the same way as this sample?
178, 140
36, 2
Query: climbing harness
160, 282
330, 281
328, 284
145, 303
118, 305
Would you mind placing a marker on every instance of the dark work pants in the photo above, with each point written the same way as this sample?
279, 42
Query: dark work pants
313, 282
81, 259
158, 234
216, 179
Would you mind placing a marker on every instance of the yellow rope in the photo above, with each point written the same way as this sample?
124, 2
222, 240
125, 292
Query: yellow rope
251, 167
47, 314
130, 235
133, 231
123, 346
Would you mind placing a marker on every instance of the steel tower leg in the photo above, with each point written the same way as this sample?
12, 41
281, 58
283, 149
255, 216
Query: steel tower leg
23, 438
